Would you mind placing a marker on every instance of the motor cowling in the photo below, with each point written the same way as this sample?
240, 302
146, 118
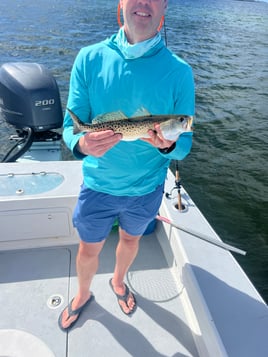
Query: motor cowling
29, 97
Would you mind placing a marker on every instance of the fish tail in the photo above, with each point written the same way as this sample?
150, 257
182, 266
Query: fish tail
76, 121
76, 129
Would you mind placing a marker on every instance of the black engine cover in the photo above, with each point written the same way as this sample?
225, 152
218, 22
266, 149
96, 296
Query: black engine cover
29, 96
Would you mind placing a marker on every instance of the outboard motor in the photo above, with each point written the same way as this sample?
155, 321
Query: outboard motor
30, 100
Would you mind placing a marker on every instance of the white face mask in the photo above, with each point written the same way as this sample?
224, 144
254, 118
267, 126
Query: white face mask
138, 49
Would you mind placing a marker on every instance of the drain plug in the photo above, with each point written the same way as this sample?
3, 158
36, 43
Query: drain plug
55, 301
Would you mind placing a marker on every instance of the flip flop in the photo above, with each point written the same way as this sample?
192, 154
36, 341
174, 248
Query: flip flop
72, 312
124, 298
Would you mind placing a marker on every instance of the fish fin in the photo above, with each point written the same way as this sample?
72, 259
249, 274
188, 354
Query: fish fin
76, 130
109, 117
141, 112
76, 121
72, 115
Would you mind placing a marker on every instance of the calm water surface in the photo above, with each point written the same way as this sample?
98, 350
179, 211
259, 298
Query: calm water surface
225, 41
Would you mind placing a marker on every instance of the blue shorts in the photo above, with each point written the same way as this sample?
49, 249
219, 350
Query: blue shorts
95, 213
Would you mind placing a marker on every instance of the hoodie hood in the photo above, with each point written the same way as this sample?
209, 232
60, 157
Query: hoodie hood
133, 51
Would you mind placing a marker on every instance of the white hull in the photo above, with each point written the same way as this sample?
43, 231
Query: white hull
193, 297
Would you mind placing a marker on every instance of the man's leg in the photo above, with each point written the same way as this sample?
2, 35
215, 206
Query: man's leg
87, 262
126, 252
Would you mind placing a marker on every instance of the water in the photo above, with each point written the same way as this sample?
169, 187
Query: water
225, 41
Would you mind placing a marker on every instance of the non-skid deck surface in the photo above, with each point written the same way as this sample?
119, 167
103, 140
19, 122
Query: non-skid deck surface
30, 279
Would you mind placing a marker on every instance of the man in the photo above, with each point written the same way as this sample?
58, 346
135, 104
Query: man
124, 180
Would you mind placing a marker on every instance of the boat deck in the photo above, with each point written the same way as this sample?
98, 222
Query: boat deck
193, 297
33, 279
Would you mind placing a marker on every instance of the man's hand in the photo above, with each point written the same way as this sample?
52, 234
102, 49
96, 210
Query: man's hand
156, 138
98, 143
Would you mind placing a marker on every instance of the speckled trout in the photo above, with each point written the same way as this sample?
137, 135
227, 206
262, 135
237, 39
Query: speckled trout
136, 127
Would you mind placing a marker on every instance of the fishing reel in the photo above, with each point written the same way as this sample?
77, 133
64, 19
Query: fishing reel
179, 205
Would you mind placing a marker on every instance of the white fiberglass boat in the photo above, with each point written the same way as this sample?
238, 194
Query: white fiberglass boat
193, 298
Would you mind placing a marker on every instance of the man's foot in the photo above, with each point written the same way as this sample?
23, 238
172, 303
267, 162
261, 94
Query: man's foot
69, 317
125, 297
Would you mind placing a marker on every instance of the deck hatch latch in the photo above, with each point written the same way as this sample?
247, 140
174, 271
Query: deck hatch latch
55, 301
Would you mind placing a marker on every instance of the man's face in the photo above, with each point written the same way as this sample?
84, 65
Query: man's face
142, 18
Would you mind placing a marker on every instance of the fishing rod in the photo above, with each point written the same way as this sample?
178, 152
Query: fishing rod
202, 236
179, 206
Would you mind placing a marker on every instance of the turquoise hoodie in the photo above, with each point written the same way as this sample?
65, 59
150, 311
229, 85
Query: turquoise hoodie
103, 81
